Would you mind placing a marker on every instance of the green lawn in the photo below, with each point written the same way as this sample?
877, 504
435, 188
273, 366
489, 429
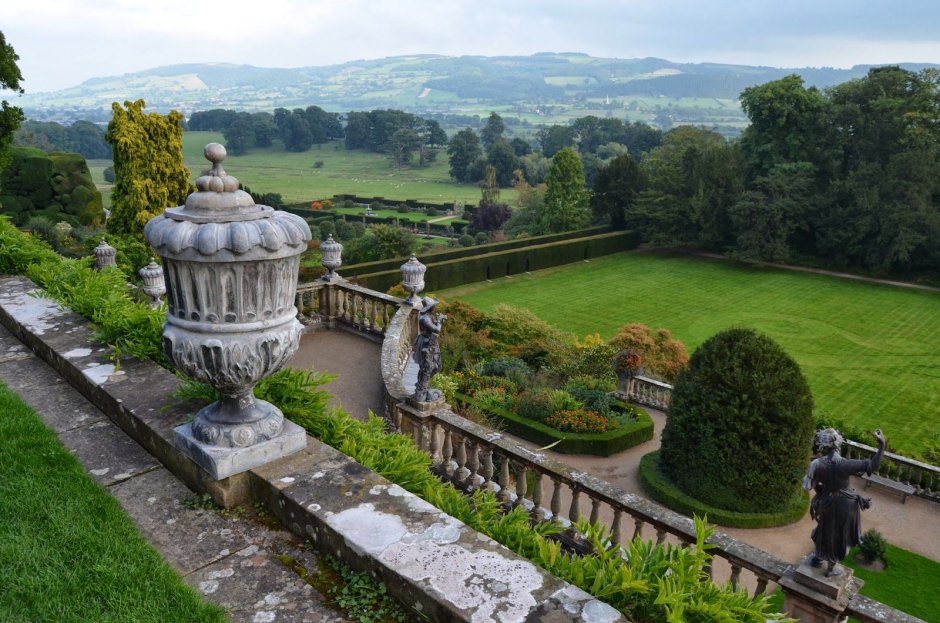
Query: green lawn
871, 352
357, 172
67, 550
904, 584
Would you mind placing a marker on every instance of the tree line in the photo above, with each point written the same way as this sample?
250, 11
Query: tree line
848, 176
83, 137
843, 177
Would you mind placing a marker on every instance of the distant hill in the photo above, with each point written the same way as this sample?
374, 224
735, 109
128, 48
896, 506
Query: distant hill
547, 85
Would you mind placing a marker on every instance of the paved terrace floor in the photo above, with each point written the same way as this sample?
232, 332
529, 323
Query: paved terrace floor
914, 525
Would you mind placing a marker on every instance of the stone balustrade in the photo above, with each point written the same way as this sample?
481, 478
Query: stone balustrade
648, 392
924, 478
323, 304
473, 457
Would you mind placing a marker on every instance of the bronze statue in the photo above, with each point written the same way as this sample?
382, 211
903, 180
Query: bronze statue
427, 351
837, 507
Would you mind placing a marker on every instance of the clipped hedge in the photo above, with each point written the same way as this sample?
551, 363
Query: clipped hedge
658, 487
457, 272
599, 444
365, 268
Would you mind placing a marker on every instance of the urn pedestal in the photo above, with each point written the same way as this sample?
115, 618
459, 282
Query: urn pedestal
230, 268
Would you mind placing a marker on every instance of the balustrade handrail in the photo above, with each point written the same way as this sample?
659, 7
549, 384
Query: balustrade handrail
346, 303
739, 554
396, 348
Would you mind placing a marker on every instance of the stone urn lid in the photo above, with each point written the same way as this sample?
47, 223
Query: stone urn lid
221, 223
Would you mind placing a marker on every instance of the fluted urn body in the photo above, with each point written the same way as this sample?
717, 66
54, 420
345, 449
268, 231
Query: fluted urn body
230, 268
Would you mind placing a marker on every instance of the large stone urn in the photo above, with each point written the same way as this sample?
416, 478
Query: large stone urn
231, 275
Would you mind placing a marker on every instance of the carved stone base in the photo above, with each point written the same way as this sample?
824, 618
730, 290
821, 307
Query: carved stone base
222, 462
237, 422
811, 597
436, 401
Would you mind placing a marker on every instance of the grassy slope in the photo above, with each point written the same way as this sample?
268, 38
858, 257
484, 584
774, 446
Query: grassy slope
358, 172
905, 584
871, 353
67, 550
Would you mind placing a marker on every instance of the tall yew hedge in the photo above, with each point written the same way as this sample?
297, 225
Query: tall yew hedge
740, 428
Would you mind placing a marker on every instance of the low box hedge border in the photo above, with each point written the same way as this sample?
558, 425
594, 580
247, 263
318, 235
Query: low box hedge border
658, 487
599, 444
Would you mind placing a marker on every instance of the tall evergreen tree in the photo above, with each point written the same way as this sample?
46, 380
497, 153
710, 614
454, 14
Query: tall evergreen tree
566, 198
148, 166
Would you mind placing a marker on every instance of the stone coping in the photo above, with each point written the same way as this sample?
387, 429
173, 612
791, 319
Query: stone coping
431, 561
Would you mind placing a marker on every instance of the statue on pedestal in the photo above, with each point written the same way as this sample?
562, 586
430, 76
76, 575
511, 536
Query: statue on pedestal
427, 350
836, 506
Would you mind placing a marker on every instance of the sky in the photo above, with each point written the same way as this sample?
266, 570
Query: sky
62, 43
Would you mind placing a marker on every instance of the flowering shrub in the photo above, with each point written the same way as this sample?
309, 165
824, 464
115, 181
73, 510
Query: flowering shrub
491, 398
627, 363
579, 421
563, 401
535, 405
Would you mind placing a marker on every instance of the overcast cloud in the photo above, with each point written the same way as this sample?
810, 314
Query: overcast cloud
61, 43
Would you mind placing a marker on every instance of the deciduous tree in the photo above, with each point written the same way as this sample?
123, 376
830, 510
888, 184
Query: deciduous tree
10, 116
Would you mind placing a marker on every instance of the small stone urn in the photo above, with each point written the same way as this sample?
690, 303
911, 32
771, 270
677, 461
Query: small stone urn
412, 279
231, 276
105, 255
332, 258
154, 287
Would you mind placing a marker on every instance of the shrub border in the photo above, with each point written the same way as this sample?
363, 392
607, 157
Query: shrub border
598, 444
658, 487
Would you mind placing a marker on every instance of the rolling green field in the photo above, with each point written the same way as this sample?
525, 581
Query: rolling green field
357, 172
871, 352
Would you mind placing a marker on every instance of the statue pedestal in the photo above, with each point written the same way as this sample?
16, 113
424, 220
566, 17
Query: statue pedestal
224, 462
430, 405
811, 597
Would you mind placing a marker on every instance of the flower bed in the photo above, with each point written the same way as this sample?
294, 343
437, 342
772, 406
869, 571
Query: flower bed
636, 428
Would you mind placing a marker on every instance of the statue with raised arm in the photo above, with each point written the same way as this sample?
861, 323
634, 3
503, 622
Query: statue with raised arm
427, 350
837, 507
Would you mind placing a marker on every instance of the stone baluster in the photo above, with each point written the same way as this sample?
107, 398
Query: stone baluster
488, 470
660, 536
299, 303
386, 317
761, 587
537, 512
521, 484
462, 473
373, 315
447, 452
556, 498
615, 527
637, 528
595, 509
574, 511
437, 438
735, 575
504, 493
473, 463
396, 420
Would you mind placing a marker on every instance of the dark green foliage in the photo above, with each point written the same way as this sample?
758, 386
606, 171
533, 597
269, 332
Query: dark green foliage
83, 137
616, 188
463, 149
10, 116
56, 185
535, 405
594, 400
511, 367
515, 261
566, 198
740, 427
873, 546
659, 487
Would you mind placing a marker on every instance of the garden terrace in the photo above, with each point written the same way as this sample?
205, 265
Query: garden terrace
309, 490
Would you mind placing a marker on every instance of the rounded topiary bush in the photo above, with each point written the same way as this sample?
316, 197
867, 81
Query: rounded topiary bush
740, 427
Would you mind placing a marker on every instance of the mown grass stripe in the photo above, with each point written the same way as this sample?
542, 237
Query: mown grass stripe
871, 352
